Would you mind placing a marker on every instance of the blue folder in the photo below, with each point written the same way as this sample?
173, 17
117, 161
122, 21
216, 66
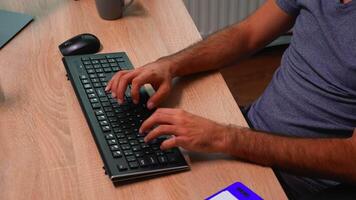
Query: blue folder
11, 23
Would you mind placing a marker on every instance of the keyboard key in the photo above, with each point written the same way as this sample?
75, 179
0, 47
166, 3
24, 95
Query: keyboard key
152, 160
92, 76
103, 79
85, 81
89, 91
87, 86
100, 92
83, 77
87, 63
99, 112
85, 58
131, 158
133, 142
118, 130
144, 146
99, 70
123, 141
136, 148
115, 69
103, 61
139, 154
95, 61
90, 96
101, 75
117, 154
112, 119
131, 137
91, 71
162, 159
114, 147
106, 104
96, 105
97, 85
105, 128
101, 117
94, 80
107, 70
112, 142
109, 136
104, 123
133, 165
143, 162
128, 153
120, 59
114, 124
94, 100
120, 136
88, 66
122, 167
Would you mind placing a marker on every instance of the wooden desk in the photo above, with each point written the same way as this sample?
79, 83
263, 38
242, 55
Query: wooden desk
46, 148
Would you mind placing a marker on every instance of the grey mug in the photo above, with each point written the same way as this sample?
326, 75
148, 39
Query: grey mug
111, 9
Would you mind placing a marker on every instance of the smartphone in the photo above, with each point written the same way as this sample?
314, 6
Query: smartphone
236, 191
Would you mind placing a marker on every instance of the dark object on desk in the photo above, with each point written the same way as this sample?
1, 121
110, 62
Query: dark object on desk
85, 43
115, 127
11, 23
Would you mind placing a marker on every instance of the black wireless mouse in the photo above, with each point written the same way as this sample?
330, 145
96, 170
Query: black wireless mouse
81, 44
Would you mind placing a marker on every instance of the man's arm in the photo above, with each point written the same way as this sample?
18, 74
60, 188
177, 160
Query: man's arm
324, 158
234, 42
219, 50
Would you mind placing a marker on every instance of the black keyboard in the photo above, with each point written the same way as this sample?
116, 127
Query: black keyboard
115, 127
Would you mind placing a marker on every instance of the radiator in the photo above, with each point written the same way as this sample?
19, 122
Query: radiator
212, 15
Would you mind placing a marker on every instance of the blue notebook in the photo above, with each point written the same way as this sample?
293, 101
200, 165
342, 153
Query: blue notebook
11, 23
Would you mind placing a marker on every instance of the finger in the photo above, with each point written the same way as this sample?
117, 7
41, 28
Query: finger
136, 84
108, 87
159, 96
155, 119
122, 86
160, 130
115, 81
169, 143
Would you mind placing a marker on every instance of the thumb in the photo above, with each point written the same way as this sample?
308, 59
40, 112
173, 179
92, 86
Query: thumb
159, 96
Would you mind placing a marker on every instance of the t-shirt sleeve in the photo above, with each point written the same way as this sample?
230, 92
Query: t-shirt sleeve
291, 7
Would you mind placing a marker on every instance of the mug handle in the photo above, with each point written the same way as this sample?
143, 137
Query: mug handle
129, 3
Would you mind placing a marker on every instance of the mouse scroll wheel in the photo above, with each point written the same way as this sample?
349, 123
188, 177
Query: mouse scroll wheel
67, 43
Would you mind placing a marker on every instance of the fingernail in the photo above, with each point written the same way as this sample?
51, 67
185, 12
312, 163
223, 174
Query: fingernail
135, 101
119, 101
107, 88
113, 94
145, 139
150, 105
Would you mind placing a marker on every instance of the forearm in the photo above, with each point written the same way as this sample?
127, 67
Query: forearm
327, 158
218, 50
232, 43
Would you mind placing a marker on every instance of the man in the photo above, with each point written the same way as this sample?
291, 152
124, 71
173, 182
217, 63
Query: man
310, 103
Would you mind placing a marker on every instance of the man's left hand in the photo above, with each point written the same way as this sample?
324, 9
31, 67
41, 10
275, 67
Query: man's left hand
189, 131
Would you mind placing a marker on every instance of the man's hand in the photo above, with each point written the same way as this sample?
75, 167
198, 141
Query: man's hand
158, 74
189, 131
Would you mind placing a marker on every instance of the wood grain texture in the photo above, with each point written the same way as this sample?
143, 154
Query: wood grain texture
46, 148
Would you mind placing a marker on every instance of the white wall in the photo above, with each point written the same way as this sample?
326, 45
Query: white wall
212, 15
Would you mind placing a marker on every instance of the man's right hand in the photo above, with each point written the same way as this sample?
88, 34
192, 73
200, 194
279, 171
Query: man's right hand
158, 74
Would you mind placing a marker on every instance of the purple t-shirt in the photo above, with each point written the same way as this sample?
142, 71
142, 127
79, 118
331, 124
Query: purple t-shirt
313, 92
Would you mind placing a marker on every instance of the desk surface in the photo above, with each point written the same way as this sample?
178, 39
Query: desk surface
46, 148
